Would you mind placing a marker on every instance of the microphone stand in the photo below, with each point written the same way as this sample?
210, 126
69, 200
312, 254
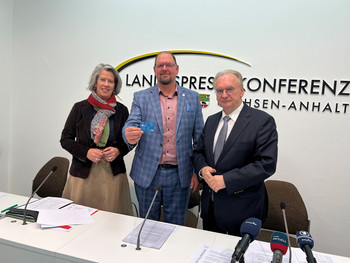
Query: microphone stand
241, 260
239, 255
25, 208
283, 207
309, 256
149, 209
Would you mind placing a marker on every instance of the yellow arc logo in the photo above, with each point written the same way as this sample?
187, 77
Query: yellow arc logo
133, 60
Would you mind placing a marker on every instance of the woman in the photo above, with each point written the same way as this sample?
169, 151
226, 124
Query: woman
93, 135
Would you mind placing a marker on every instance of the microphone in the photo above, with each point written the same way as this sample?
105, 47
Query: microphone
149, 209
53, 169
283, 207
279, 246
306, 243
250, 229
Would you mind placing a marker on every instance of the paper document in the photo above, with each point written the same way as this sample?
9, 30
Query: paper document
48, 203
75, 207
153, 234
257, 252
207, 254
261, 252
56, 211
2, 194
61, 217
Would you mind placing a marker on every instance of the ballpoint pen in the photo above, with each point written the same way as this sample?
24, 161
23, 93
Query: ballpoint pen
9, 208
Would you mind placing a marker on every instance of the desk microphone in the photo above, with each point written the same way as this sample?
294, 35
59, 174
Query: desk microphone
306, 243
283, 207
149, 209
250, 229
279, 246
53, 169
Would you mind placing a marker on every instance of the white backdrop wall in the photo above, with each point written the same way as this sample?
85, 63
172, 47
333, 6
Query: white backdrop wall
56, 44
5, 88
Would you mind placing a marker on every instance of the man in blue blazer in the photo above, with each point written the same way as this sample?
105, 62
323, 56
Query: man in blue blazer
234, 176
165, 123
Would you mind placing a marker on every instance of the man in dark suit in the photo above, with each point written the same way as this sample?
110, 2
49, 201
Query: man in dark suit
234, 175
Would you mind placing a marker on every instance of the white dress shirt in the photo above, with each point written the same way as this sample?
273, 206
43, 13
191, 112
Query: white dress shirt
233, 118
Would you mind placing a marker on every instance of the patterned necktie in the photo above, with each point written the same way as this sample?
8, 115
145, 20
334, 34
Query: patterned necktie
221, 139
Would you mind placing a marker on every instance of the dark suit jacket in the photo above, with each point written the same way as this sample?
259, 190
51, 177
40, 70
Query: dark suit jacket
248, 158
76, 138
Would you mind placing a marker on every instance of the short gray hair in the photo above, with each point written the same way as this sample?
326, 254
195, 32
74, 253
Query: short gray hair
229, 71
96, 72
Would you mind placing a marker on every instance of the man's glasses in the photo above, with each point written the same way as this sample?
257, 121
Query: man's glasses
228, 91
160, 66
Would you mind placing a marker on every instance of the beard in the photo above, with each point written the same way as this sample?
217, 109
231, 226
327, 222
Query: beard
165, 80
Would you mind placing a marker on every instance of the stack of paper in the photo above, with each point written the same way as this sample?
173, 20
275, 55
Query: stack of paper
61, 212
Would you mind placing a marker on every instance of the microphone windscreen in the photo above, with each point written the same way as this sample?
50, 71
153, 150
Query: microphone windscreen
251, 227
158, 187
304, 238
283, 205
279, 241
54, 169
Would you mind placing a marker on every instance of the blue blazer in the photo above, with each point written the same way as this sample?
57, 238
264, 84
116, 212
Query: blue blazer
189, 125
248, 158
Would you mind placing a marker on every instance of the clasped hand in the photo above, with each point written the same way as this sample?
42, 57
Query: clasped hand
215, 182
109, 154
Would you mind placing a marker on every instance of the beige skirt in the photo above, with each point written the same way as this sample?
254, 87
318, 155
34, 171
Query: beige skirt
100, 190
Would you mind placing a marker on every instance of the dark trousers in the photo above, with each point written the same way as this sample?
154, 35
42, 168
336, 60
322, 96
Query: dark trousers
210, 223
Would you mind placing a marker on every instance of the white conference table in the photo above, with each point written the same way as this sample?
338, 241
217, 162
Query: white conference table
100, 241
29, 243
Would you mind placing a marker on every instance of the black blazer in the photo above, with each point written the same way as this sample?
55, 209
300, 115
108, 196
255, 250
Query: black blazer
76, 138
248, 158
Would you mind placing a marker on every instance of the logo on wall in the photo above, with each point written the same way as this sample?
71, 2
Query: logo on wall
261, 93
191, 82
204, 99
133, 60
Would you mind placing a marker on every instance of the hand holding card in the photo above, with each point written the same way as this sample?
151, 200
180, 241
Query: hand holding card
133, 135
147, 126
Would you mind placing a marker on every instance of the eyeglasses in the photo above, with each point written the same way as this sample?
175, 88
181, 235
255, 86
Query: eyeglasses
220, 92
160, 66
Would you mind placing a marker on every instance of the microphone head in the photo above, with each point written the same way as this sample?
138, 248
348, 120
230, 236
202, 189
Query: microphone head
54, 168
279, 241
304, 238
158, 188
283, 205
252, 227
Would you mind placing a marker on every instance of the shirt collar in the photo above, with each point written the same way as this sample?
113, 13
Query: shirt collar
172, 96
234, 115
